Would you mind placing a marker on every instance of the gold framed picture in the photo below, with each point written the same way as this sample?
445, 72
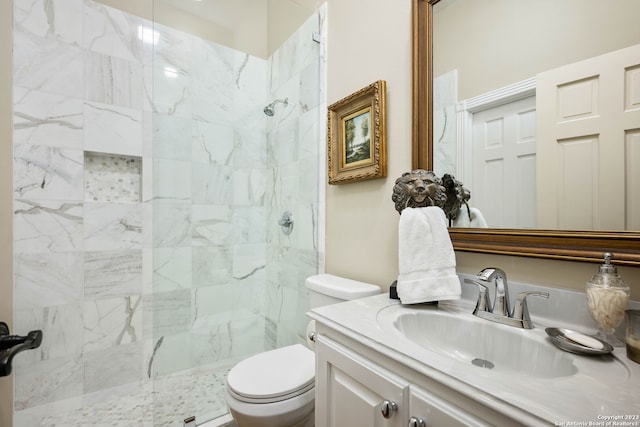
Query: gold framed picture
357, 136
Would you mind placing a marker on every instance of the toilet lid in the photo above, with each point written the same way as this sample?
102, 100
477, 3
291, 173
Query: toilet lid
283, 372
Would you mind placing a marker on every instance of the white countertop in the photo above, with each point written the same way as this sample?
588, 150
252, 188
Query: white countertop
605, 388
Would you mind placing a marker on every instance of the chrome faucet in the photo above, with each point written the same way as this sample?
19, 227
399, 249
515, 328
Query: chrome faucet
500, 311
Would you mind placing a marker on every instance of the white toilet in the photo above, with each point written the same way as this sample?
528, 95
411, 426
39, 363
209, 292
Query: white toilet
277, 388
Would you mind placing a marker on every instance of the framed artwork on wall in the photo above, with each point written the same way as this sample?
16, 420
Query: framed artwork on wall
357, 136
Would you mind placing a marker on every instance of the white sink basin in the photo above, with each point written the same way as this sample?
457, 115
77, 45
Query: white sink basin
489, 346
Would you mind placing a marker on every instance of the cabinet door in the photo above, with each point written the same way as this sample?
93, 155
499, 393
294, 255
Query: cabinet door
351, 391
436, 412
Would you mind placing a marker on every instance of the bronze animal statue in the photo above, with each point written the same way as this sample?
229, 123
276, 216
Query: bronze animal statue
457, 195
418, 188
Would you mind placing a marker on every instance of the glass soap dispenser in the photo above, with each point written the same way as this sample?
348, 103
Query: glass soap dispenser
607, 298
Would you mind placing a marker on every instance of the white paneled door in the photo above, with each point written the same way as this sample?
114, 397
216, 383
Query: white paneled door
589, 143
504, 164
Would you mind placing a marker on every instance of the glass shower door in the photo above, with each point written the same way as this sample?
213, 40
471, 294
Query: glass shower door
226, 282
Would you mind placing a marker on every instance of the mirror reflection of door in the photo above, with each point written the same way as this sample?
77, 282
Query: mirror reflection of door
589, 148
504, 164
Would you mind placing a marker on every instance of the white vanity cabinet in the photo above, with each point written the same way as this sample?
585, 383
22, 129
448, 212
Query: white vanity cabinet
352, 390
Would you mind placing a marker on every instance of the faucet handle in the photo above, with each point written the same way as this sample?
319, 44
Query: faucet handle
483, 303
521, 311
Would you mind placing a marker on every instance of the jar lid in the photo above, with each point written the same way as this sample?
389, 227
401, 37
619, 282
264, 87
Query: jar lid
607, 267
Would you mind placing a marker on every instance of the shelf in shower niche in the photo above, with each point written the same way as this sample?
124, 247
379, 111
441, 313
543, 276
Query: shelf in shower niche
112, 177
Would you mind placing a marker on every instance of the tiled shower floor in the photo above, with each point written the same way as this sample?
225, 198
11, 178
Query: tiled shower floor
166, 401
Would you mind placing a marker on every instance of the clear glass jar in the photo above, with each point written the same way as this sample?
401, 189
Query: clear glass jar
607, 299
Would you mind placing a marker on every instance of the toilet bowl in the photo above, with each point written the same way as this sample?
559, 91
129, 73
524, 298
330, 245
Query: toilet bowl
276, 388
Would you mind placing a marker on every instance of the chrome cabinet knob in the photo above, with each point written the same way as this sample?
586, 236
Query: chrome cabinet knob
388, 408
417, 422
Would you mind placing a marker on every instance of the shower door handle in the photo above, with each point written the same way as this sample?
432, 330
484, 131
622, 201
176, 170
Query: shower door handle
11, 345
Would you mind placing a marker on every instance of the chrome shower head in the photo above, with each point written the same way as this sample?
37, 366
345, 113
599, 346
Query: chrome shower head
268, 110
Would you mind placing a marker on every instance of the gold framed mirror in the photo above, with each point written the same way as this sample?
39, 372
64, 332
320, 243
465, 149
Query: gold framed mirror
550, 244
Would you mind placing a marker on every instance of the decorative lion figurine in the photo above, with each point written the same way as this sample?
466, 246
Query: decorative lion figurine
457, 195
418, 188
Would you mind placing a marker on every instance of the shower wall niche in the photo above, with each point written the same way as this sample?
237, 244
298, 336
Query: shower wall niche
148, 184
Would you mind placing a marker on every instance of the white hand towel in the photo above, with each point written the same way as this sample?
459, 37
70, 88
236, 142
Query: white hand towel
427, 262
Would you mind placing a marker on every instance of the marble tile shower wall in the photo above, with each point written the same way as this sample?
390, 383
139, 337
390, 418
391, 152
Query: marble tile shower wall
127, 287
297, 73
78, 241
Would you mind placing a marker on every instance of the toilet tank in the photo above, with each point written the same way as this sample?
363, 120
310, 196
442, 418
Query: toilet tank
325, 289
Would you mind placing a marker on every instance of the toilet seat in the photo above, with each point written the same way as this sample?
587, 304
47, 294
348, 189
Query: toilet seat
273, 376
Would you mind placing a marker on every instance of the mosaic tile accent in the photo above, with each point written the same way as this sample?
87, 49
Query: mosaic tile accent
112, 178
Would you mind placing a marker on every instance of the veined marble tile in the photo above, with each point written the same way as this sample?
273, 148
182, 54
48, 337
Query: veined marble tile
247, 335
211, 225
47, 65
282, 144
445, 90
113, 129
211, 266
171, 224
48, 381
172, 94
172, 269
249, 187
173, 179
111, 274
47, 173
173, 355
222, 328
174, 49
147, 180
444, 122
172, 137
250, 223
248, 261
44, 119
148, 260
112, 80
211, 184
213, 306
47, 279
250, 84
250, 147
309, 173
61, 327
212, 143
295, 53
308, 222
212, 78
146, 209
171, 312
112, 322
284, 186
47, 226
309, 82
111, 367
59, 19
308, 134
115, 33
211, 344
445, 130
111, 226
